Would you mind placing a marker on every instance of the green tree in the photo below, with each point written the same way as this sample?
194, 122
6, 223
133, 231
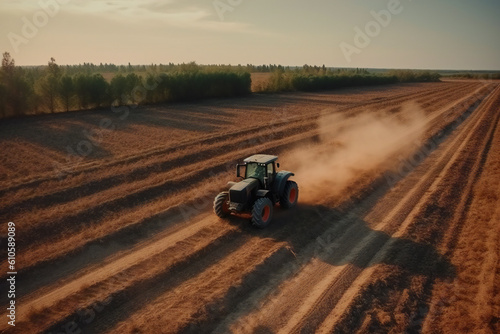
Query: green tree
190, 67
82, 90
66, 91
3, 101
8, 65
49, 85
16, 94
118, 88
98, 89
7, 74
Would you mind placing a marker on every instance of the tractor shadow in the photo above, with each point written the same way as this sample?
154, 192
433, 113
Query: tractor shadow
334, 236
337, 237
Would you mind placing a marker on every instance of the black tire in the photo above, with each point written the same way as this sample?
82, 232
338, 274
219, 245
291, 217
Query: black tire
221, 205
290, 195
262, 212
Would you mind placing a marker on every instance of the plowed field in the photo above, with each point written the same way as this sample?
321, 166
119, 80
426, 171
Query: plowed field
397, 227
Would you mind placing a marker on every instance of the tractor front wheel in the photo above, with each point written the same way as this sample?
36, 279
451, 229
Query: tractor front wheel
262, 212
290, 195
221, 205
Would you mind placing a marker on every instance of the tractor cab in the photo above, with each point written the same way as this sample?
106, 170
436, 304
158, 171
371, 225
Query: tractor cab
261, 167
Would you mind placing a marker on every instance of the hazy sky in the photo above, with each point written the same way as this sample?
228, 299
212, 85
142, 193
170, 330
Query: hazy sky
435, 34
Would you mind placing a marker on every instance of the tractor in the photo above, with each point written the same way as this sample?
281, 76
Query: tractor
261, 188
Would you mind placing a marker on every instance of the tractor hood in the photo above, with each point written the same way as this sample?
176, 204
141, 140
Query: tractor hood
244, 191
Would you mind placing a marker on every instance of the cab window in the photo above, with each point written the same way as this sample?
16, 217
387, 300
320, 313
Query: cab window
255, 170
270, 170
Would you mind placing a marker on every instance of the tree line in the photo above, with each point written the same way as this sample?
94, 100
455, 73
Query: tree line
55, 88
314, 78
476, 76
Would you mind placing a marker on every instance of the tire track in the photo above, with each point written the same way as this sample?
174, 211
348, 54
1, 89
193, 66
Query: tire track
124, 271
462, 217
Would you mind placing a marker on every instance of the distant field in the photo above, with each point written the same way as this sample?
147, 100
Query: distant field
397, 228
259, 79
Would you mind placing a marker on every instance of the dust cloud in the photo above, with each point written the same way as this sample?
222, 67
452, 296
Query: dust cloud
353, 146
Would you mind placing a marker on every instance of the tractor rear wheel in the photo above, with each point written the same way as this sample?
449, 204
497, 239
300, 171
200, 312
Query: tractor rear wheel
221, 205
262, 212
290, 195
